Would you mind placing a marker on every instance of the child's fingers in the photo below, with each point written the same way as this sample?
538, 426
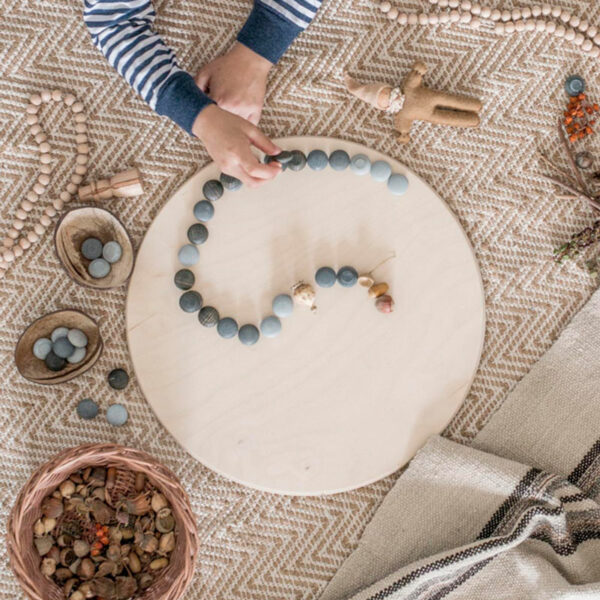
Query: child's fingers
261, 141
202, 79
255, 169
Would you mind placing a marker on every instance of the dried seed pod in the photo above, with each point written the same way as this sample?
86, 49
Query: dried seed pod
43, 544
83, 490
38, 528
64, 539
63, 574
122, 517
113, 552
385, 304
52, 507
139, 505
165, 521
127, 533
378, 289
111, 477
48, 567
115, 535
134, 562
126, 587
77, 595
366, 280
86, 589
81, 548
158, 502
167, 542
108, 567
125, 549
86, 569
98, 476
54, 554
67, 557
145, 580
149, 543
87, 472
49, 524
104, 587
68, 587
99, 493
101, 512
304, 293
159, 563
76, 478
140, 482
67, 488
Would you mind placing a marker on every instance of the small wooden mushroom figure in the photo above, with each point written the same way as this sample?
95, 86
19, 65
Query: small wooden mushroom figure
122, 185
415, 102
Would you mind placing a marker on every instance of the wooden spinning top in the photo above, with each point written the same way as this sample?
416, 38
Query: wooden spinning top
122, 185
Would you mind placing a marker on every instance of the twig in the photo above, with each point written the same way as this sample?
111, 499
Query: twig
594, 203
557, 168
583, 239
565, 143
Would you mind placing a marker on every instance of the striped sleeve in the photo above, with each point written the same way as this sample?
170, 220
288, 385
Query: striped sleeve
122, 31
274, 24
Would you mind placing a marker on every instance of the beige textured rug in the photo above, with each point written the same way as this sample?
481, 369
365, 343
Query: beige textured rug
254, 545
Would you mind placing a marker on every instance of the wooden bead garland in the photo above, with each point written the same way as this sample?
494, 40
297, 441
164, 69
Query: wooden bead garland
540, 17
18, 239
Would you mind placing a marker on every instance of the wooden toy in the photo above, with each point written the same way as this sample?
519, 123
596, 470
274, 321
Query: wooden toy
123, 185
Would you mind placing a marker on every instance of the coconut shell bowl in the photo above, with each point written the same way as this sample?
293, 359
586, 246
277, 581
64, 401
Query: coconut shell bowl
34, 369
79, 224
172, 581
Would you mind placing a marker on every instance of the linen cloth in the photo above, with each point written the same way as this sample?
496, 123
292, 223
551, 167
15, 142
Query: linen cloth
255, 545
514, 515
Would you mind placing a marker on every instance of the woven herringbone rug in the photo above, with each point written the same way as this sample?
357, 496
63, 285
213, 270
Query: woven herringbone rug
256, 545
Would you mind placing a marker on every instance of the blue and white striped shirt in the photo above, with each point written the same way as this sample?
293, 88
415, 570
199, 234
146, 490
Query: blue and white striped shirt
122, 30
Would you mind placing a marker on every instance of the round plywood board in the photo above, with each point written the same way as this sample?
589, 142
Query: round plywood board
343, 396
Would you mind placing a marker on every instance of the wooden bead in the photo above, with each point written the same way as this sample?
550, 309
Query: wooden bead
57, 95
50, 211
35, 129
385, 6
556, 12
423, 19
83, 149
378, 289
80, 118
570, 35
466, 18
32, 196
58, 204
520, 26
578, 39
8, 242
44, 179
39, 228
584, 26
8, 256
69, 99
550, 26
587, 45
597, 40
546, 9
540, 25
509, 27
516, 14
44, 147
574, 21
71, 188
77, 107
31, 119
595, 52
476, 9
526, 13
26, 205
486, 12
12, 233
39, 189
45, 159
530, 25
465, 5
453, 3
45, 221
17, 251
21, 214
433, 19
536, 10
35, 99
499, 27
76, 178
24, 243
454, 16
81, 169
495, 15
41, 137
560, 31
592, 31
444, 18
32, 109
565, 16
46, 95
81, 138
18, 224
81, 159
476, 23
80, 127
32, 237
47, 169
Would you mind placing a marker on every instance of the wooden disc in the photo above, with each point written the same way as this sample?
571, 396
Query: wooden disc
343, 396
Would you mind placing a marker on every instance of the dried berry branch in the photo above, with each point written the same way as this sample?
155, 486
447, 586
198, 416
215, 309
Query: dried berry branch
583, 239
576, 192
565, 143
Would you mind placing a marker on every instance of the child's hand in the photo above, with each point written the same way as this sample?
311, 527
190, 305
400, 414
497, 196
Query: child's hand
228, 138
237, 81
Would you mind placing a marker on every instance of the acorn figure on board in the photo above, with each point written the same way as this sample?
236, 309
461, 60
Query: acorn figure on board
413, 101
122, 185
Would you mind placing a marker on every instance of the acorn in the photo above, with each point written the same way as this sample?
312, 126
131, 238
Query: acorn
304, 293
385, 304
378, 289
365, 280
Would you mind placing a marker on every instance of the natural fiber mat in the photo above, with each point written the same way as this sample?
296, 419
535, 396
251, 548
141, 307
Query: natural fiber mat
256, 545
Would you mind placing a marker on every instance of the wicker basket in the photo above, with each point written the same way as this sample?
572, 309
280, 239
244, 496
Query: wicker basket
23, 556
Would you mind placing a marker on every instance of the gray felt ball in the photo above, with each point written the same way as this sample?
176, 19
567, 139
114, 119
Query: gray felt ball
283, 305
248, 335
117, 415
204, 210
190, 301
208, 316
184, 279
339, 160
87, 409
270, 326
283, 157
227, 328
91, 248
298, 161
347, 276
41, 348
112, 252
360, 164
212, 190
397, 184
380, 170
77, 338
63, 348
317, 160
53, 362
197, 233
58, 333
99, 268
77, 356
188, 255
118, 379
325, 277
230, 183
